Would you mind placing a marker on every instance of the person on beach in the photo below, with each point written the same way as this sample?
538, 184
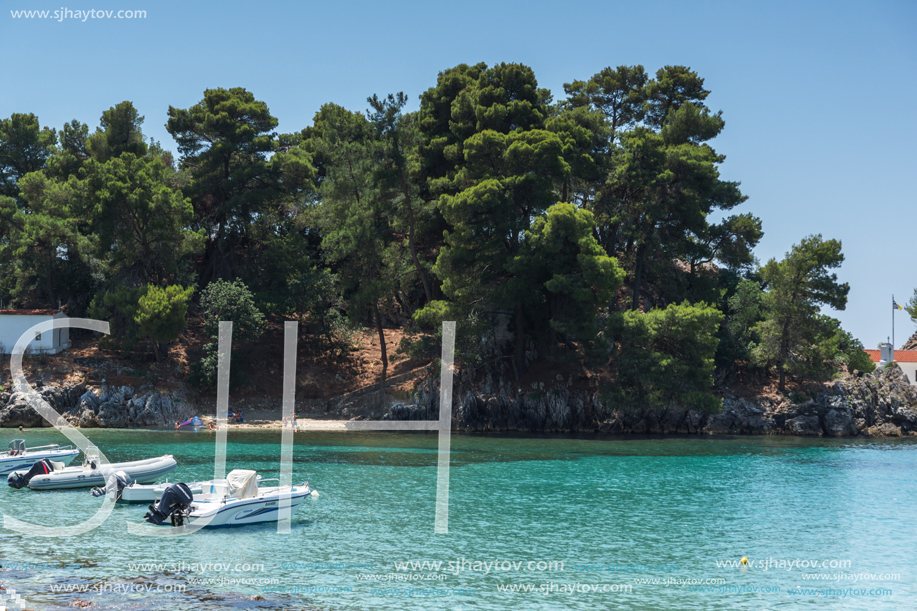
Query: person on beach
212, 427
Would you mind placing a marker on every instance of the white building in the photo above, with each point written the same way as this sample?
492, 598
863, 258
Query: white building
906, 359
13, 323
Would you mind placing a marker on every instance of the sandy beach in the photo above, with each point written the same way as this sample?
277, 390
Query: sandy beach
272, 420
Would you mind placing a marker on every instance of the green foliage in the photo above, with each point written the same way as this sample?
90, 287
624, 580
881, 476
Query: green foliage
662, 182
474, 334
797, 287
850, 352
149, 312
119, 132
564, 277
396, 176
140, 221
355, 217
161, 313
911, 306
71, 153
833, 349
495, 166
738, 337
340, 335
119, 307
238, 169
673, 87
232, 302
24, 148
42, 248
619, 93
520, 218
665, 357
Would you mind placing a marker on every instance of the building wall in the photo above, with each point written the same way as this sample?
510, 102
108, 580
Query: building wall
12, 326
910, 370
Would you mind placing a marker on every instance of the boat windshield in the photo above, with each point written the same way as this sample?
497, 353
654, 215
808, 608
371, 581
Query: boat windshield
91, 457
17, 446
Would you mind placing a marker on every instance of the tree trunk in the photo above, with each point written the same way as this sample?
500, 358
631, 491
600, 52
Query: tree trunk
638, 276
520, 342
49, 288
381, 343
781, 359
423, 277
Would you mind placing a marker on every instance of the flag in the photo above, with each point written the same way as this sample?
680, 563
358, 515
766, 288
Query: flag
895, 305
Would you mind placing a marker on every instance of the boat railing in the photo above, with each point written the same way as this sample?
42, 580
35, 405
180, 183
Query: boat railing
51, 446
55, 446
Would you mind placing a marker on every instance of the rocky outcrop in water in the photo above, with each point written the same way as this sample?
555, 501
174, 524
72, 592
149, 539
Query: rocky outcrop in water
107, 407
879, 404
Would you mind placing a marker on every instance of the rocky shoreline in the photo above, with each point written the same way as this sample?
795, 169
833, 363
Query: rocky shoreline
85, 407
881, 404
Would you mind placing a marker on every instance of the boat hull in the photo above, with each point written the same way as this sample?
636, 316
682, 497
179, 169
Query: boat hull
244, 512
8, 464
141, 471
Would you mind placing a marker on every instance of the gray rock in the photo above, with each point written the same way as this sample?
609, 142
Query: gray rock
741, 416
886, 429
17, 412
808, 426
90, 399
88, 419
840, 423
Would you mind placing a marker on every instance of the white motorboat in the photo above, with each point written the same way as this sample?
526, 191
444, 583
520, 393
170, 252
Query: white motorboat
20, 457
48, 474
237, 501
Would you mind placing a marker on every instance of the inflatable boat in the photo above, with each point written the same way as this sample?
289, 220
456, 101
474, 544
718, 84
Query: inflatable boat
49, 474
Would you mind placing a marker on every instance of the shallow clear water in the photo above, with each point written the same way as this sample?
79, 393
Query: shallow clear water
617, 513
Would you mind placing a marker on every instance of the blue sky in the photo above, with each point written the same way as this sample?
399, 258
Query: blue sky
818, 97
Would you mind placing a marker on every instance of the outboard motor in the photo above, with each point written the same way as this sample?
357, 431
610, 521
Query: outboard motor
18, 479
116, 482
175, 500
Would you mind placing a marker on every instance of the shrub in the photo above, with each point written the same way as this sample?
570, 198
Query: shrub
665, 357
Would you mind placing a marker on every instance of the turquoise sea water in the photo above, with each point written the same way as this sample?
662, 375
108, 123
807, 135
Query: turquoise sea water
583, 523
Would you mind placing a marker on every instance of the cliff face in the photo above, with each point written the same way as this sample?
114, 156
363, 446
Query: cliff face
82, 406
878, 404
